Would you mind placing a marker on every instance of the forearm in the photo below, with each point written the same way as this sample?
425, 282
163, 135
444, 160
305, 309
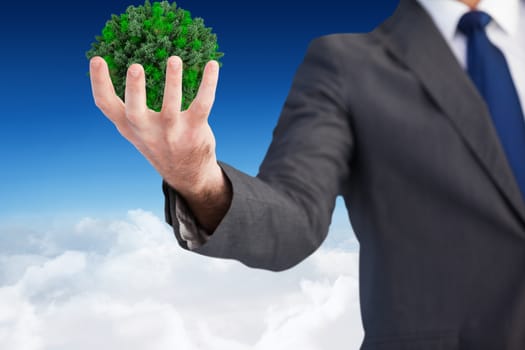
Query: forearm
262, 228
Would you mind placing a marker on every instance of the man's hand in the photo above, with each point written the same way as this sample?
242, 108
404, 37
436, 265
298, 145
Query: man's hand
179, 144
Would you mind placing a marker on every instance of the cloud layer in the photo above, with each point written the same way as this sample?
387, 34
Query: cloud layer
125, 284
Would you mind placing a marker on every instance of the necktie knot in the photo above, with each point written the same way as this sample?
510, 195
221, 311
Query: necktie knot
473, 21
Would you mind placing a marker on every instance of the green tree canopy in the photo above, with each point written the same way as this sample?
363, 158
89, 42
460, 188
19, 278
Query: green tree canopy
148, 35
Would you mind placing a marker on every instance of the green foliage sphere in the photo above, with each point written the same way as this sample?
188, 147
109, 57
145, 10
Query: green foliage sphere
149, 35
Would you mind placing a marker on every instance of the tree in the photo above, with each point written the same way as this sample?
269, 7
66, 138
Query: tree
150, 34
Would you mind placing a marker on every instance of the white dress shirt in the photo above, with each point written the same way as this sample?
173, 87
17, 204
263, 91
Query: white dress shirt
506, 31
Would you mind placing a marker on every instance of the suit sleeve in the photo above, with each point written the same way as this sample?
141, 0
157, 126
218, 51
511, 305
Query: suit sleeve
282, 215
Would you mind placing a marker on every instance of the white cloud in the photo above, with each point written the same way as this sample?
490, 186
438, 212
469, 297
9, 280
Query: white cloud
126, 284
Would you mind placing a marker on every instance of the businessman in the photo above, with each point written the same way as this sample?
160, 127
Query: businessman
419, 125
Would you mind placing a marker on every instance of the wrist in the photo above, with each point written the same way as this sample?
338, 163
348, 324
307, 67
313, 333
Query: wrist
213, 183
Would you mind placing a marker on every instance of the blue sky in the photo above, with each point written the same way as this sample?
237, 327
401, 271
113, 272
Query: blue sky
62, 158
86, 259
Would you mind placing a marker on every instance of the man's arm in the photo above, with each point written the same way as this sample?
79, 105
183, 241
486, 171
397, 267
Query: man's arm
279, 217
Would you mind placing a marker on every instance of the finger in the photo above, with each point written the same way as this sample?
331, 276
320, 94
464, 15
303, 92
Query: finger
201, 106
135, 95
171, 103
103, 91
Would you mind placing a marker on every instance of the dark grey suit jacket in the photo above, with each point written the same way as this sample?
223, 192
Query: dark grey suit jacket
390, 121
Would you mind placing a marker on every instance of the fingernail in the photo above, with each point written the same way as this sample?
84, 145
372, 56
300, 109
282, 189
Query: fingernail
95, 63
134, 72
175, 62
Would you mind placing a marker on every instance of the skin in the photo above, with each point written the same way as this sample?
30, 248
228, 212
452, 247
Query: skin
471, 3
180, 145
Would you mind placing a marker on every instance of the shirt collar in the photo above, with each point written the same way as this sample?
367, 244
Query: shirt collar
504, 12
447, 13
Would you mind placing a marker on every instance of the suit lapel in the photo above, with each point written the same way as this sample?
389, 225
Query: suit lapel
412, 37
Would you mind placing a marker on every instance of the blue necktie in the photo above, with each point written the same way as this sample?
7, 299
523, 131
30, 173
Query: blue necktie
489, 71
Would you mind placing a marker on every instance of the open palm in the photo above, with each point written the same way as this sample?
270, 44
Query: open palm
179, 144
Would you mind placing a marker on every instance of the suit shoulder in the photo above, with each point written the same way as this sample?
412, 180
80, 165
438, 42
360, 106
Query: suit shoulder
347, 44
